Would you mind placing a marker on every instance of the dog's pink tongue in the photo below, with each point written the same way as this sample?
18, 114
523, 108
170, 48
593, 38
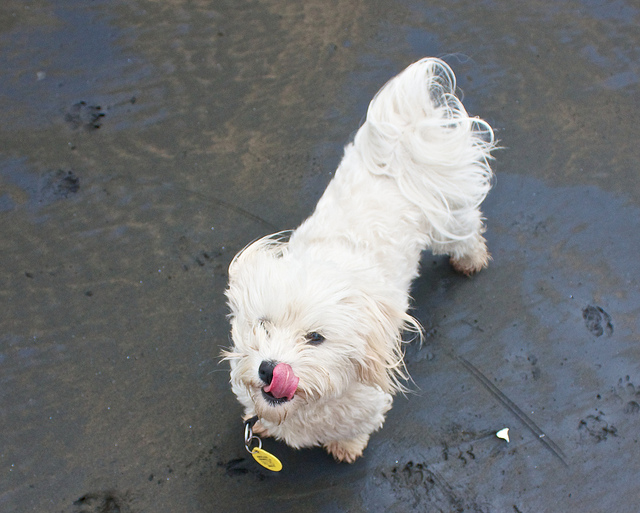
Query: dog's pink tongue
284, 382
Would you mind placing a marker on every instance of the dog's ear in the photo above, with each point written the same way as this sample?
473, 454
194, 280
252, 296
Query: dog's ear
382, 363
250, 263
274, 245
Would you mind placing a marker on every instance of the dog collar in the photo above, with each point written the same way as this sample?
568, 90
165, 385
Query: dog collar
264, 458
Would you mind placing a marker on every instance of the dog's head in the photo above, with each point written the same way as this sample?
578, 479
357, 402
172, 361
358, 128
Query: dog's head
306, 323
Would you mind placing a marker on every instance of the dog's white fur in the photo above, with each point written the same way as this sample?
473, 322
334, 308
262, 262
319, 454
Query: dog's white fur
413, 179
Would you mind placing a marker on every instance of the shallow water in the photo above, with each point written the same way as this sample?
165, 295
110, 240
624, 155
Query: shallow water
144, 143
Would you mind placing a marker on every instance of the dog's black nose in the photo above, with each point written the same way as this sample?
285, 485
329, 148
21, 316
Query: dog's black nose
265, 371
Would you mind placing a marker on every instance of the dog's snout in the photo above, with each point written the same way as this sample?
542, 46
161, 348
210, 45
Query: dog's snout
265, 371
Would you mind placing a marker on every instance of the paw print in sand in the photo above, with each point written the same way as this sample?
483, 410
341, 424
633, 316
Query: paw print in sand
628, 395
101, 502
83, 115
598, 321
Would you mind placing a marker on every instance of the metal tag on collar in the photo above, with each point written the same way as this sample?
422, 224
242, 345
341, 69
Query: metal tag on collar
264, 458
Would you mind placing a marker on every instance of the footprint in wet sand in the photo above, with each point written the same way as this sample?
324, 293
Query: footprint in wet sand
598, 321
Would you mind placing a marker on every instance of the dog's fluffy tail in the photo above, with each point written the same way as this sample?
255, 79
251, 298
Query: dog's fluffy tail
418, 132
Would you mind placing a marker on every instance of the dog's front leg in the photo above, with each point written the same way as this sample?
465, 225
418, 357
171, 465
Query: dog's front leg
347, 450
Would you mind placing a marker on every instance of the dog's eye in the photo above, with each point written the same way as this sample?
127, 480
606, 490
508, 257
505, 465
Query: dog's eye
314, 338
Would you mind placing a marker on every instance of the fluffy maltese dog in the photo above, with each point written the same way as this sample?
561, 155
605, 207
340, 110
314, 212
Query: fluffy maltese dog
317, 314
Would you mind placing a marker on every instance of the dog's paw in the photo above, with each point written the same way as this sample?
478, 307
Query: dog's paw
347, 450
472, 263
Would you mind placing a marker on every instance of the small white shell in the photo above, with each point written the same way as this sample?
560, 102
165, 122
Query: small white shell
504, 434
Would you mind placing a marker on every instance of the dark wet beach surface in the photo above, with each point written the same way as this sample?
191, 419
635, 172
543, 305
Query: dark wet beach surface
144, 143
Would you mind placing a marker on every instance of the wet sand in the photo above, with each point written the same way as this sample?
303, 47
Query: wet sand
144, 143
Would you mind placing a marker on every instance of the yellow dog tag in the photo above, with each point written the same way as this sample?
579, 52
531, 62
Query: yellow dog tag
266, 459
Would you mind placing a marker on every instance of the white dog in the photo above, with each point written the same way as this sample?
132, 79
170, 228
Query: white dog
317, 319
